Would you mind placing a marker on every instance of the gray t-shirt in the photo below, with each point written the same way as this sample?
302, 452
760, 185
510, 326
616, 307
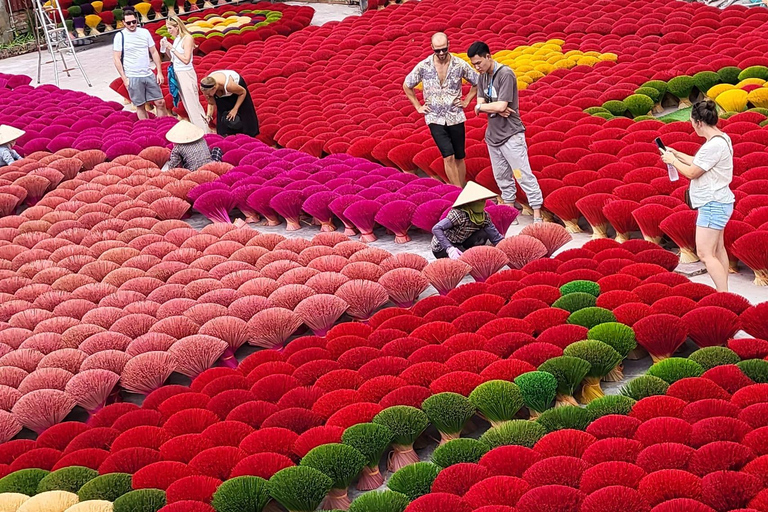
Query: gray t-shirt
501, 86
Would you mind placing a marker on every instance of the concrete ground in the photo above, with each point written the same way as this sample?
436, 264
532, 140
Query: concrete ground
94, 56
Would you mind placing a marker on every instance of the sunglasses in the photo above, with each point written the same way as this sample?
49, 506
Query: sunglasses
440, 50
134, 22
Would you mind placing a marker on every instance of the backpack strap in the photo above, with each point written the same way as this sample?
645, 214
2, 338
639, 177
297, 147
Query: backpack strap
122, 47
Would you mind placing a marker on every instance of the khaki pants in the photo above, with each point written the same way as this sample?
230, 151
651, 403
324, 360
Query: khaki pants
190, 96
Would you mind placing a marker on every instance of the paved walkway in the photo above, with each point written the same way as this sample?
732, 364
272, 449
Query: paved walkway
96, 57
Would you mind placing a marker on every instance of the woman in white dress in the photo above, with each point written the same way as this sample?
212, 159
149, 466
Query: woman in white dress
181, 55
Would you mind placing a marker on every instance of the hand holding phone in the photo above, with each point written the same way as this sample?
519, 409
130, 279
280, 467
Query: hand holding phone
671, 170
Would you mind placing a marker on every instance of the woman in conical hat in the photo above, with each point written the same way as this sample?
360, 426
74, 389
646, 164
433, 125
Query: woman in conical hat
8, 136
190, 150
467, 224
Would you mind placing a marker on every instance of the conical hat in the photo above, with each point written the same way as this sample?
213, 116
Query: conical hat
473, 192
9, 134
184, 132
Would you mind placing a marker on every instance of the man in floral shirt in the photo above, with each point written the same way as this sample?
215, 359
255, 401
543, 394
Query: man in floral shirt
441, 77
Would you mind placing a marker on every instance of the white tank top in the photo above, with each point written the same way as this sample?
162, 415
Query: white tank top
230, 75
178, 46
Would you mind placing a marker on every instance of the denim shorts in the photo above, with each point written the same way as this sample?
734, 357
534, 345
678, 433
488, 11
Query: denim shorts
714, 215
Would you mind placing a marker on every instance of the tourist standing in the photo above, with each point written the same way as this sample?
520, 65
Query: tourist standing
441, 76
227, 94
181, 55
505, 134
711, 173
131, 50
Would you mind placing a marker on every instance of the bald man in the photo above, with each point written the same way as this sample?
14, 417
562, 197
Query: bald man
441, 76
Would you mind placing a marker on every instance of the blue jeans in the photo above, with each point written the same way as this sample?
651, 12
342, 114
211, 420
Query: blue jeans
714, 215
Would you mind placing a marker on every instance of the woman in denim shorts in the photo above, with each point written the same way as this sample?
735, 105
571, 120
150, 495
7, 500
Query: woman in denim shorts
711, 173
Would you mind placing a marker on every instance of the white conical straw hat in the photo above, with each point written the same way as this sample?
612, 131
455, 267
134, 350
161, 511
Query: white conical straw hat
9, 133
473, 192
184, 132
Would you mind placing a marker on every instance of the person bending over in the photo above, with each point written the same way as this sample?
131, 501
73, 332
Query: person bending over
227, 94
467, 224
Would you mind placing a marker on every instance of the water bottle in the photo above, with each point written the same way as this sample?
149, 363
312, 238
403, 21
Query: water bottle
672, 171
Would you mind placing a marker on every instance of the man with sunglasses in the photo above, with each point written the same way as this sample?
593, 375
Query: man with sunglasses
441, 76
131, 49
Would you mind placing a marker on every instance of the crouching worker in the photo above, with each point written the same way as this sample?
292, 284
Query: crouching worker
467, 224
8, 137
190, 150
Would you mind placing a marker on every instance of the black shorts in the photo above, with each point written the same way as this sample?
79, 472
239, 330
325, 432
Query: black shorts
449, 139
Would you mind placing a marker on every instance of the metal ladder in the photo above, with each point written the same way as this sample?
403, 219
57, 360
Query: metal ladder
50, 20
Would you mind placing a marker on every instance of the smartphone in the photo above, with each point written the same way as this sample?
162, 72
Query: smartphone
660, 144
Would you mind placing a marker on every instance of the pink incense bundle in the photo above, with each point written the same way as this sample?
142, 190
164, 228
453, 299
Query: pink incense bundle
619, 214
553, 236
43, 408
362, 215
146, 372
502, 216
429, 213
404, 286
484, 261
216, 205
259, 201
288, 204
318, 206
445, 274
319, 312
363, 297
271, 327
681, 228
648, 218
194, 354
522, 249
338, 206
92, 388
396, 216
